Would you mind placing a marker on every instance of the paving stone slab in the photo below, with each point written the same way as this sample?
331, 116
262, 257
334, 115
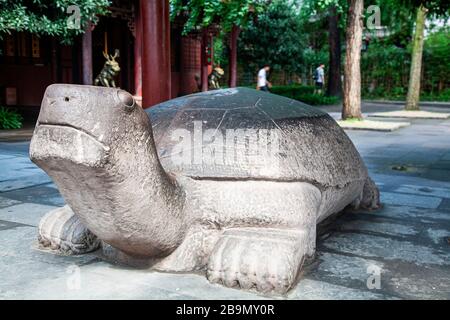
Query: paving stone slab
186, 284
372, 125
26, 213
398, 180
24, 182
23, 268
411, 213
410, 200
392, 229
382, 248
6, 157
439, 236
19, 167
445, 205
421, 114
354, 272
4, 225
424, 190
6, 202
31, 274
320, 290
42, 194
342, 269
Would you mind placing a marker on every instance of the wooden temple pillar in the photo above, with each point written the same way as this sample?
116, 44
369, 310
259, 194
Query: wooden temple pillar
190, 64
86, 53
138, 50
54, 61
204, 60
156, 72
233, 56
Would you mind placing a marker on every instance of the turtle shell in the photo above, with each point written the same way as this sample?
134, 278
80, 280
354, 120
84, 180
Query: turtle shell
242, 133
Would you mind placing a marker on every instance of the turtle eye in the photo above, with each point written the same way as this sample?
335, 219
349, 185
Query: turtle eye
126, 99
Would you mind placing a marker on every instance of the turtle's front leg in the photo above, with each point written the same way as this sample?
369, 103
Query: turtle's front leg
62, 231
265, 259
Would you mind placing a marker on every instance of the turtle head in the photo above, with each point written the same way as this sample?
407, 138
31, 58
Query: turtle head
87, 125
97, 145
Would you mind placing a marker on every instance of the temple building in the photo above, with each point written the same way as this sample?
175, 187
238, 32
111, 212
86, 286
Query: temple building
157, 62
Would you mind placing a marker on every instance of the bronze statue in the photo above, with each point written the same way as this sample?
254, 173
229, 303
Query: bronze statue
214, 78
110, 70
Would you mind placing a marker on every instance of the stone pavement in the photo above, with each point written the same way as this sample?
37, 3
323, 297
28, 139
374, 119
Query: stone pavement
408, 241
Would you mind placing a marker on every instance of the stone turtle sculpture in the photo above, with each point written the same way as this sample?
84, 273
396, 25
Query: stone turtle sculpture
230, 181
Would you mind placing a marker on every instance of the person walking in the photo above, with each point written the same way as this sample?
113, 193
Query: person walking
263, 84
319, 79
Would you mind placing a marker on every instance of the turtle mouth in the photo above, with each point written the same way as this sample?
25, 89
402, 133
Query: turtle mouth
64, 141
69, 127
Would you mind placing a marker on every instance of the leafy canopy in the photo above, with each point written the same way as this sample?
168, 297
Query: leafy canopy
225, 13
276, 38
48, 17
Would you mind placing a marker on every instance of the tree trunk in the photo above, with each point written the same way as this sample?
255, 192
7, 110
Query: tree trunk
412, 99
352, 71
54, 59
233, 56
334, 79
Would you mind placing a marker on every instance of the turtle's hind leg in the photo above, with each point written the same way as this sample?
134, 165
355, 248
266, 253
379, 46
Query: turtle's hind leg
61, 231
370, 196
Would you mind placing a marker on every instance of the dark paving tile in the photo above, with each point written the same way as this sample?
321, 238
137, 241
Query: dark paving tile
410, 281
437, 174
39, 194
5, 225
15, 148
410, 200
441, 164
398, 279
445, 205
5, 202
424, 191
25, 213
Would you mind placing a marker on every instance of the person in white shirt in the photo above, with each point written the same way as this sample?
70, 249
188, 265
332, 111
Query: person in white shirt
319, 79
263, 84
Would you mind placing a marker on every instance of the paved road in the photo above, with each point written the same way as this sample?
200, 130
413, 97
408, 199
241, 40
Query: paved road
408, 241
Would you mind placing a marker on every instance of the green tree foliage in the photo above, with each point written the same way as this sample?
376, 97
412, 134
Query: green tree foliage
314, 10
436, 8
436, 61
385, 67
386, 64
48, 17
276, 38
220, 51
225, 13
412, 15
